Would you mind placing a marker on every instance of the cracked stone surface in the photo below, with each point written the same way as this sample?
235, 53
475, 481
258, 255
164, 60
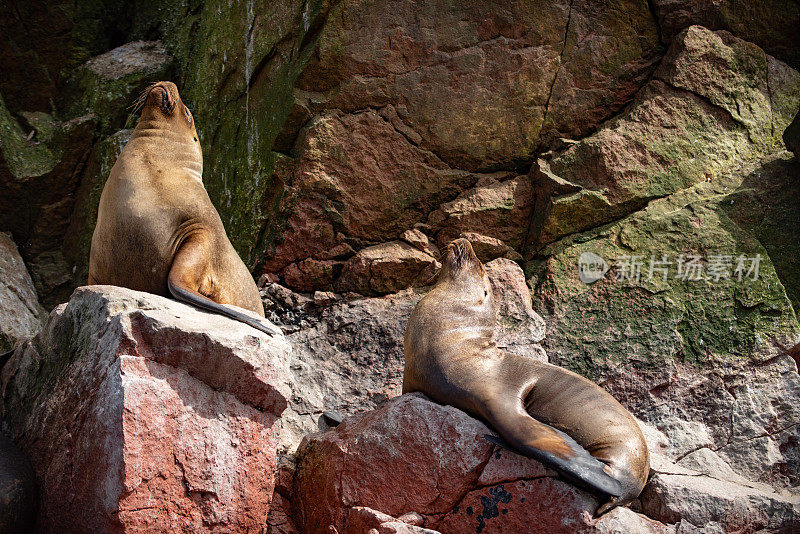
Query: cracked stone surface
700, 359
394, 123
714, 102
141, 414
414, 456
484, 91
387, 268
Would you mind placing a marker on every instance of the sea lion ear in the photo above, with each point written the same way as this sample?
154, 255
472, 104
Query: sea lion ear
188, 114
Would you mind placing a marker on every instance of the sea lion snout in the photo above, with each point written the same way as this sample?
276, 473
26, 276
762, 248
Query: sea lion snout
460, 256
165, 96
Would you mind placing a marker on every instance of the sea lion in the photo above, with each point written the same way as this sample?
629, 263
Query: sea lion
541, 410
157, 230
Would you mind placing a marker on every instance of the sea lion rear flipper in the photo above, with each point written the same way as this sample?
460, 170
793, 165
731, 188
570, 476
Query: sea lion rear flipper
181, 282
200, 301
556, 449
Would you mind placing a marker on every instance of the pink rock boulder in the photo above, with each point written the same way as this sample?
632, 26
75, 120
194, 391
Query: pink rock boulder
142, 414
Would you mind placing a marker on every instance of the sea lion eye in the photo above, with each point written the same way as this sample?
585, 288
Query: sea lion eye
188, 114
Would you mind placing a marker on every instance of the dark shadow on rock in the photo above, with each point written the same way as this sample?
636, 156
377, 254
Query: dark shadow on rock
766, 206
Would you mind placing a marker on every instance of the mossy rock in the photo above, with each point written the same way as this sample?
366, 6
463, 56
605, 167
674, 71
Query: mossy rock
598, 327
107, 85
22, 155
236, 65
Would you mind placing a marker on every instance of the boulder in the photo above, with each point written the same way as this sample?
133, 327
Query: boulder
696, 352
347, 356
518, 329
714, 102
362, 520
675, 495
374, 189
488, 248
140, 413
764, 205
22, 315
500, 208
40, 167
387, 268
482, 86
414, 456
416, 238
108, 85
773, 25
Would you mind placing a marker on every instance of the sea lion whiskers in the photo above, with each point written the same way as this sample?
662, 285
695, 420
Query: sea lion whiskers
140, 100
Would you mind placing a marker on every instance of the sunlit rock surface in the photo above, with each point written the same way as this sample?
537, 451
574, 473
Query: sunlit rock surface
140, 413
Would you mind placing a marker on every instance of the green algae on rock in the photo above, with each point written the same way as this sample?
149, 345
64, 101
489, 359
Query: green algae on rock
237, 63
598, 327
107, 85
714, 102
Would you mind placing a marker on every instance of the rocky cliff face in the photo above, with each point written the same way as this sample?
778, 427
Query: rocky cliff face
345, 143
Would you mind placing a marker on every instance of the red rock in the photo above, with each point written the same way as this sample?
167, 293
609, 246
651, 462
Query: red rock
518, 329
496, 209
387, 268
361, 520
357, 176
310, 274
142, 414
488, 248
478, 84
416, 238
411, 455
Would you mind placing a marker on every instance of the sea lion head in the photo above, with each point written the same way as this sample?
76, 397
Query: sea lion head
462, 268
162, 107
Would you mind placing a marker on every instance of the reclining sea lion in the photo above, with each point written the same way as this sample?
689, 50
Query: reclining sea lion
543, 411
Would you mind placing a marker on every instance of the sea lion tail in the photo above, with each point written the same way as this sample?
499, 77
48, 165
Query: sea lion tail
232, 312
528, 437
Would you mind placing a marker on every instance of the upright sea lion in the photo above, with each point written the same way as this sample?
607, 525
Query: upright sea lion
542, 411
157, 230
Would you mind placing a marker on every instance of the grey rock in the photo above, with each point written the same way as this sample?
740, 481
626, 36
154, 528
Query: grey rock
20, 312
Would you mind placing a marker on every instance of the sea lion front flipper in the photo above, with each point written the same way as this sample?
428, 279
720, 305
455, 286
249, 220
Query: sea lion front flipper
556, 449
182, 280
